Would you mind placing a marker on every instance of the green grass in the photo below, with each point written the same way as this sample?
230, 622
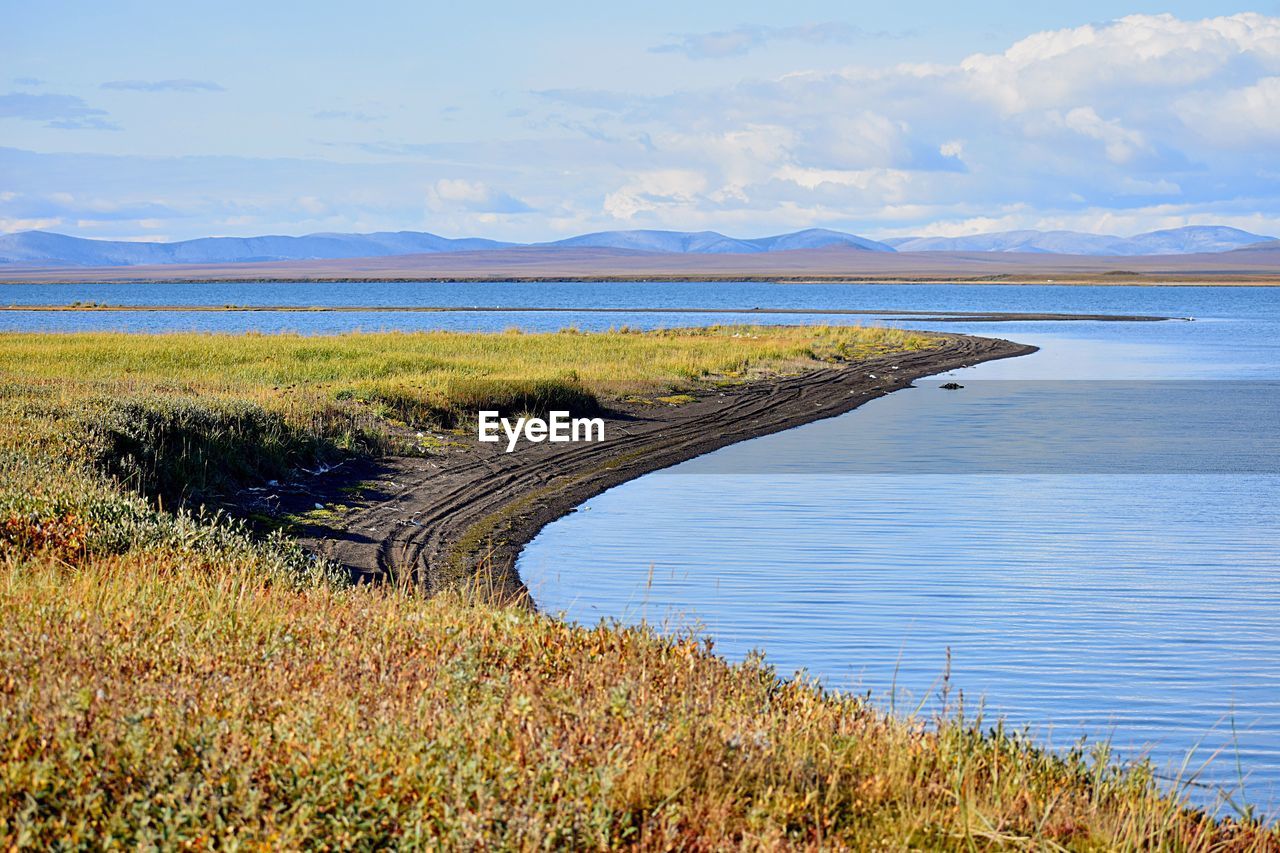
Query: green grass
190, 418
438, 370
168, 680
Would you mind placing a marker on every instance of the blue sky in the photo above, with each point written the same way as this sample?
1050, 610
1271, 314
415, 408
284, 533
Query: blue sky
135, 120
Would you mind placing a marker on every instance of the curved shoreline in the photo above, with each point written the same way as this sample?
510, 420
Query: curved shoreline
465, 512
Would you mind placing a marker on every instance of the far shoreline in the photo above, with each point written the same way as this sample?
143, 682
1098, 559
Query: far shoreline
30, 277
923, 316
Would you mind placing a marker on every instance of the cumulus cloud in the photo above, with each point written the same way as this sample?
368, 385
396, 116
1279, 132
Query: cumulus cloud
744, 39
457, 194
65, 206
180, 85
1120, 144
1106, 64
665, 190
1236, 117
65, 112
1128, 114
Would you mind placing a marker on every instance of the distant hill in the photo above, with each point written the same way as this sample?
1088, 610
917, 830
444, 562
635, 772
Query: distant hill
1196, 238
713, 243
1192, 239
818, 238
836, 263
41, 248
45, 249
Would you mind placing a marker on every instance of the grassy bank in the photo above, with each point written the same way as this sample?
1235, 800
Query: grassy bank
188, 417
436, 366
156, 702
167, 680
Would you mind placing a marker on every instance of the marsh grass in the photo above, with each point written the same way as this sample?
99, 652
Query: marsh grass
187, 418
151, 705
441, 370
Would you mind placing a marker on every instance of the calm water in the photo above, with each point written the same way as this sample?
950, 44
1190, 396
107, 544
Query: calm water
1200, 302
1120, 601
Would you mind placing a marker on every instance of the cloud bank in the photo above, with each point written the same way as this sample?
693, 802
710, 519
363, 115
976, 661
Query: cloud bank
1147, 120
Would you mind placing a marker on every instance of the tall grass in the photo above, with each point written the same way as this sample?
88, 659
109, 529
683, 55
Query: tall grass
143, 704
74, 515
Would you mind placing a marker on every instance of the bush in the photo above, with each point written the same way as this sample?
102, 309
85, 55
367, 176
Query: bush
182, 449
75, 514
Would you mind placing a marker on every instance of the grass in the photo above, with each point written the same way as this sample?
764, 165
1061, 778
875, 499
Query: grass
442, 370
152, 702
187, 418
168, 680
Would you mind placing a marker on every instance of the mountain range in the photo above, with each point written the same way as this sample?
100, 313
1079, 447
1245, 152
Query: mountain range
1173, 241
713, 243
45, 249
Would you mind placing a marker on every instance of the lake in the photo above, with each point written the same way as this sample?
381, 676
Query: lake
1081, 584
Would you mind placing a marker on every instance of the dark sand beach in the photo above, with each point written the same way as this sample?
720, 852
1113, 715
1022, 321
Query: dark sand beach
433, 520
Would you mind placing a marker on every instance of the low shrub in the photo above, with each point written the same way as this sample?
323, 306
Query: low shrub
184, 448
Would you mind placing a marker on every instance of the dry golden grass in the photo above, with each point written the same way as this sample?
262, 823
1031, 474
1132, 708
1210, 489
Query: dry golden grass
145, 701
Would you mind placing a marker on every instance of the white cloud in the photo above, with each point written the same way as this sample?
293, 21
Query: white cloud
8, 226
458, 194
312, 205
882, 184
1154, 52
1093, 220
1120, 143
666, 190
1112, 115
1237, 117
744, 39
1137, 186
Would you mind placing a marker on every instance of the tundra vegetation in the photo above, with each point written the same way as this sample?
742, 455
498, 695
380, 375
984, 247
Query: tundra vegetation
169, 680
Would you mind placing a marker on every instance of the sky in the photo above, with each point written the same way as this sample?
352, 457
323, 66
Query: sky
533, 121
